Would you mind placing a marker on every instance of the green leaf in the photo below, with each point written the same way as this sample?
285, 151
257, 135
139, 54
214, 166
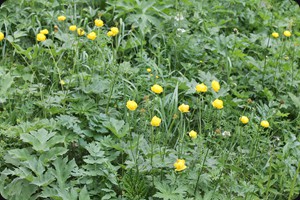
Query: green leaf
117, 127
295, 99
84, 195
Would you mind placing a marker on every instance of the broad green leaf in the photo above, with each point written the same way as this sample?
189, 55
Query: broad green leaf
84, 195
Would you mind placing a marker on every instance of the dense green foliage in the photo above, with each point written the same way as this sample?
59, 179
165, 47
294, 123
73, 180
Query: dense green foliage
67, 131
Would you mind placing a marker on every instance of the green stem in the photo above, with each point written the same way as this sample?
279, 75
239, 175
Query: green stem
200, 171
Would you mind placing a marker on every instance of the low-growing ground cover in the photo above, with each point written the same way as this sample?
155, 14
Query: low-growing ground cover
149, 99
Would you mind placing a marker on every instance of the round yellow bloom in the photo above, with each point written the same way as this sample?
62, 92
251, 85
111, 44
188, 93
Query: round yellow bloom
1, 36
61, 18
217, 104
215, 85
131, 105
40, 37
72, 28
99, 23
201, 87
184, 108
91, 36
155, 121
193, 134
115, 30
179, 165
244, 119
80, 32
110, 34
62, 82
287, 33
275, 35
149, 70
44, 31
265, 124
156, 76
157, 89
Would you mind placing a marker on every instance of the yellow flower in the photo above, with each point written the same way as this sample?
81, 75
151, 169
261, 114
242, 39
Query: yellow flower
99, 23
179, 165
157, 89
215, 85
131, 105
149, 70
92, 36
193, 134
1, 36
156, 76
73, 28
264, 124
115, 30
44, 31
201, 87
61, 18
80, 32
184, 108
62, 82
287, 33
155, 121
110, 34
40, 37
217, 104
244, 119
275, 35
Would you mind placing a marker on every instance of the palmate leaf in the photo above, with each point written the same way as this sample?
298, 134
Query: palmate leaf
84, 195
167, 192
42, 140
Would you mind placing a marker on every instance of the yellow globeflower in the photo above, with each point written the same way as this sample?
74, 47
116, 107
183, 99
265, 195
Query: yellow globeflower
155, 121
131, 105
265, 124
72, 28
149, 70
92, 36
201, 87
99, 23
1, 36
179, 165
62, 82
244, 119
110, 34
287, 33
193, 134
215, 85
275, 35
217, 104
40, 37
115, 30
184, 108
80, 32
61, 18
157, 89
44, 31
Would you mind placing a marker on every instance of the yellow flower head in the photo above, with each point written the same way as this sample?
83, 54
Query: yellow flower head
40, 37
44, 31
217, 104
184, 108
131, 105
115, 30
244, 119
61, 18
265, 124
99, 23
72, 28
80, 32
62, 82
155, 121
1, 36
179, 165
287, 33
201, 87
110, 34
215, 85
149, 70
157, 89
275, 35
91, 36
193, 134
